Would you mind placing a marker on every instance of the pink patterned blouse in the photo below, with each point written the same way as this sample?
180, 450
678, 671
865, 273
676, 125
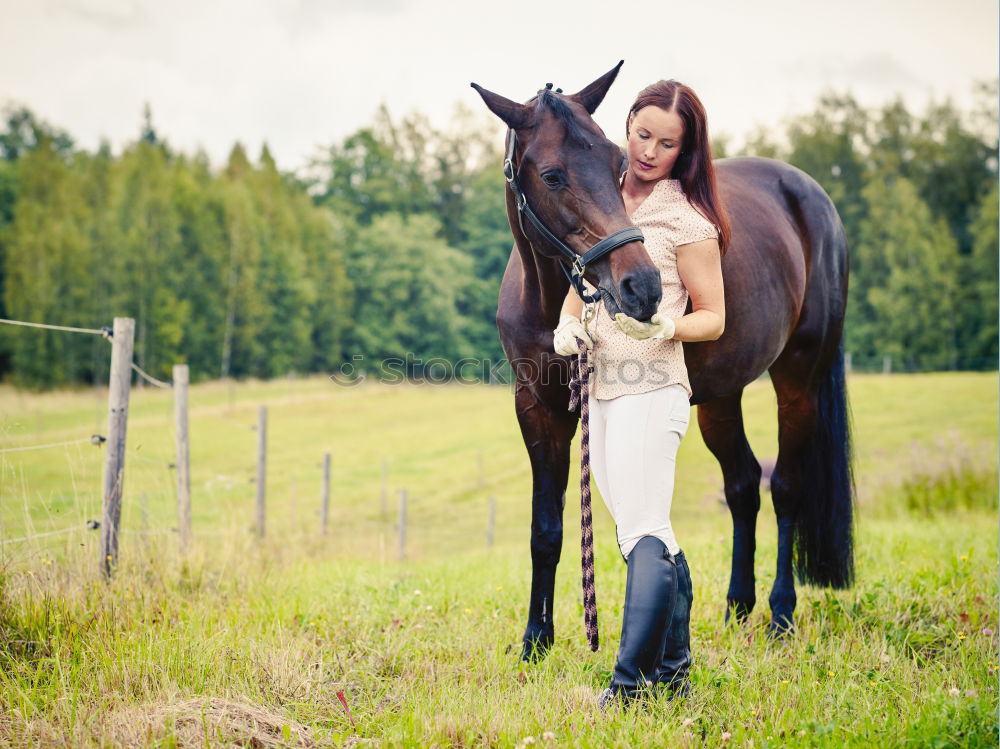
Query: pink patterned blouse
623, 365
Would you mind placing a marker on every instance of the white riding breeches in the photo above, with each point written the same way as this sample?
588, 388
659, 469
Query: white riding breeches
633, 454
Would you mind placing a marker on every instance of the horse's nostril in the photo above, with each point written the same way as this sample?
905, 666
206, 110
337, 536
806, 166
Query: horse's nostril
640, 294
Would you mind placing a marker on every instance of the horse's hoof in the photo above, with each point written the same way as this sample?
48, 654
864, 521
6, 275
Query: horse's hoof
780, 628
532, 652
536, 646
738, 608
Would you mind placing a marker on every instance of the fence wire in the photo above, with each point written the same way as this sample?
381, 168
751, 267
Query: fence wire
64, 328
43, 535
94, 440
150, 379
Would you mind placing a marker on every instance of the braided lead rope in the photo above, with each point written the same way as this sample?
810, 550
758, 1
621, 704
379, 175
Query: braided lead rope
580, 396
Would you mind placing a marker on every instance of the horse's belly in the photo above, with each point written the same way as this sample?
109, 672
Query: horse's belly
765, 279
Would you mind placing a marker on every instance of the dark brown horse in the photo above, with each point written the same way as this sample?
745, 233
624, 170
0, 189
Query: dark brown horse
785, 278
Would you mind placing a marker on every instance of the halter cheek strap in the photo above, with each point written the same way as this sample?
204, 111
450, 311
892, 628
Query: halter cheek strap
573, 265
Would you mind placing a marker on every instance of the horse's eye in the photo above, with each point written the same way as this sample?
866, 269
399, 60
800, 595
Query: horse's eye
552, 179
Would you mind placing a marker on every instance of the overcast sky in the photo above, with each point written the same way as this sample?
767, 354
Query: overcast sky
302, 73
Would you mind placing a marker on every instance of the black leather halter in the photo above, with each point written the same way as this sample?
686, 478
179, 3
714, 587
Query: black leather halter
573, 265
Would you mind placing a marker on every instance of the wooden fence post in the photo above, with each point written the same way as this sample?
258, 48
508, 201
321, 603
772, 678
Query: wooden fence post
886, 364
326, 493
183, 455
402, 525
385, 489
261, 467
491, 522
122, 341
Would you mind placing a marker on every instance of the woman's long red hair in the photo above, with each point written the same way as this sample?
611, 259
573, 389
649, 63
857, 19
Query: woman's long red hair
694, 166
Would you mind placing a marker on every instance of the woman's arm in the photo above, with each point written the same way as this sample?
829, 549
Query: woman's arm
699, 266
572, 304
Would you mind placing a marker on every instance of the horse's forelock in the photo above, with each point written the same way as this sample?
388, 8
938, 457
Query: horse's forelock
557, 107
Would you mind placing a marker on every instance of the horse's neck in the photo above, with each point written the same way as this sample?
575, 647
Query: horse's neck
544, 284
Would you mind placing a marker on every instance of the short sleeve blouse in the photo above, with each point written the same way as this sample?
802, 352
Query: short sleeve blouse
623, 365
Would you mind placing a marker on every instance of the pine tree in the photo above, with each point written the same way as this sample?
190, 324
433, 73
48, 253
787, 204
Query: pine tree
910, 302
978, 290
47, 260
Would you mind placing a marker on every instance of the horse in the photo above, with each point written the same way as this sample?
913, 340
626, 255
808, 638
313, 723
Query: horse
785, 275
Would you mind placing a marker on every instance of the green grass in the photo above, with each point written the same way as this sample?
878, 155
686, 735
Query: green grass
251, 641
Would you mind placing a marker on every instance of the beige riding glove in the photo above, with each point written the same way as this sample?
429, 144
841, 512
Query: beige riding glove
564, 337
657, 327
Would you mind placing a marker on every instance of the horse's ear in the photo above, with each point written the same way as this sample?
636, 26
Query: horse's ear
515, 115
592, 96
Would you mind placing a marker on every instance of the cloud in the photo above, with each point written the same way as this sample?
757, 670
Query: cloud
875, 70
882, 71
119, 15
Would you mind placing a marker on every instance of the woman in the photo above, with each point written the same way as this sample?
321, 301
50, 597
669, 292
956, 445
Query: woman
639, 398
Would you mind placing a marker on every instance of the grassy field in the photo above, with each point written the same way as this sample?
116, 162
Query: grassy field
252, 641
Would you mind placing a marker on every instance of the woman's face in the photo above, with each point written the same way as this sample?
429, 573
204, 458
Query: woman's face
654, 143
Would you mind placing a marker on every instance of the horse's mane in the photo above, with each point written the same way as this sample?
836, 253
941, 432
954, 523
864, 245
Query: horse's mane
548, 101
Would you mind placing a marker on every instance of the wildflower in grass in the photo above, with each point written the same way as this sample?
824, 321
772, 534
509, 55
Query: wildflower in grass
987, 631
548, 736
687, 723
430, 608
417, 593
726, 736
970, 692
528, 740
785, 681
830, 674
753, 713
499, 587
964, 557
467, 611
961, 635
953, 692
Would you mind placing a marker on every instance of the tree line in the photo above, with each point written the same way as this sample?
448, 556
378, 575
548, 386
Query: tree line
392, 243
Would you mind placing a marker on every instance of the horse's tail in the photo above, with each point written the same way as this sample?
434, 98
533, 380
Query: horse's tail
824, 534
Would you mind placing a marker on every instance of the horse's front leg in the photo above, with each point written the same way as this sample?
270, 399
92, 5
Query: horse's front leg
721, 423
548, 432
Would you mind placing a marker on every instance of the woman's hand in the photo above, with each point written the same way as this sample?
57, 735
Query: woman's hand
657, 327
564, 337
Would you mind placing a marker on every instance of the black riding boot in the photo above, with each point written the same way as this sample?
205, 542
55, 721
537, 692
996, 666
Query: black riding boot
676, 662
649, 602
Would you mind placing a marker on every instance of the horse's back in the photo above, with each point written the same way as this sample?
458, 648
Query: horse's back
785, 267
822, 237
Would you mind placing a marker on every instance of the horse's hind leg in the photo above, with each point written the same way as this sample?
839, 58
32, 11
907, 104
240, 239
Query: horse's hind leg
811, 486
796, 421
547, 435
721, 423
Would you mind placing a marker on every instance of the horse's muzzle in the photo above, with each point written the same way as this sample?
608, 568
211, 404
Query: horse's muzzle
639, 293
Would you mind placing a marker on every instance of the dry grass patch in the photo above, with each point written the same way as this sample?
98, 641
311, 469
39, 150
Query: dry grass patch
203, 721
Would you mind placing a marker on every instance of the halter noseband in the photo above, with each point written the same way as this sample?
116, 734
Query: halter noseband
577, 264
